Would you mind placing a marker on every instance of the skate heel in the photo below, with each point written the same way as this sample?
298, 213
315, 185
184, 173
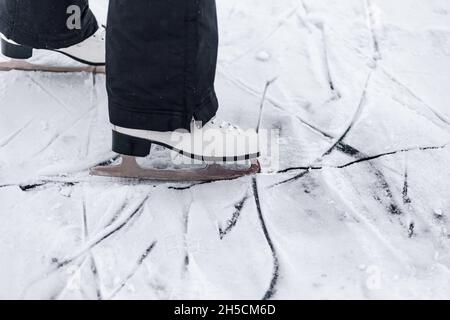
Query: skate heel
15, 51
130, 146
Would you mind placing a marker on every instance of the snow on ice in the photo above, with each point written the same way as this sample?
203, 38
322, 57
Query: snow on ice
358, 208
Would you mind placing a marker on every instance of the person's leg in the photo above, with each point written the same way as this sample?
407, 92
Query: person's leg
161, 63
42, 24
160, 67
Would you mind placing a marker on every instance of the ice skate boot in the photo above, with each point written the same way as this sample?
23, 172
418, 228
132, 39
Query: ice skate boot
86, 56
216, 145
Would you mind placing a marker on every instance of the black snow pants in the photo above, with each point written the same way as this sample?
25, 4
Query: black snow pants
161, 54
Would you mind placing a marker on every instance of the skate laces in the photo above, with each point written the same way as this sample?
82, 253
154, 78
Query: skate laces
221, 124
100, 34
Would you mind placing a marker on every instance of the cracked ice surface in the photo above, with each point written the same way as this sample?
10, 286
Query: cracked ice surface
360, 207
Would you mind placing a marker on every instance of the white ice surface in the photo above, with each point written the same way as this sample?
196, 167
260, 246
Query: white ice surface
362, 96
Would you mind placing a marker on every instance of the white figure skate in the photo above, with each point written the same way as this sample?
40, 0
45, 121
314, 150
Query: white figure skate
87, 56
216, 145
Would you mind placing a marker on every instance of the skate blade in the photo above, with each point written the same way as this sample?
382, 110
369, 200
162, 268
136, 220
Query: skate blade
23, 65
129, 168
